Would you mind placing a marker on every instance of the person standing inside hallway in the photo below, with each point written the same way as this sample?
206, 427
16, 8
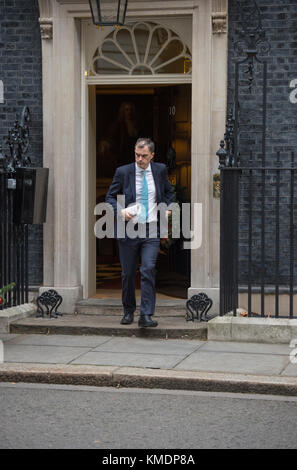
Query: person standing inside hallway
143, 183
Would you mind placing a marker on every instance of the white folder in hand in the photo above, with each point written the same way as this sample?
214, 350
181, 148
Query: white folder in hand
134, 210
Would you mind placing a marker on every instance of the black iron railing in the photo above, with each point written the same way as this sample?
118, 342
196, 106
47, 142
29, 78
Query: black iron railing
13, 235
258, 237
257, 181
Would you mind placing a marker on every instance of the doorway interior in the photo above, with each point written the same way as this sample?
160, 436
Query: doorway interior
163, 113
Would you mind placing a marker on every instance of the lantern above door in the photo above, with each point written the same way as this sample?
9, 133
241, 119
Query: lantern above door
108, 13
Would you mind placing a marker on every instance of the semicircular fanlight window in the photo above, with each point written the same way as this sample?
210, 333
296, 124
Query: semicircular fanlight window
144, 48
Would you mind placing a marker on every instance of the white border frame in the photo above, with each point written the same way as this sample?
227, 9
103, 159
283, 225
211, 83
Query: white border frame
158, 79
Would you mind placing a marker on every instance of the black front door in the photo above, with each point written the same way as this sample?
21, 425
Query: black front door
172, 134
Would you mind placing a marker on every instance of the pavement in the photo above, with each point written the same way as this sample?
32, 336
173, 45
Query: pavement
149, 362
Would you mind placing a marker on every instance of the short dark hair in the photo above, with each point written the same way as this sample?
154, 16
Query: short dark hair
145, 142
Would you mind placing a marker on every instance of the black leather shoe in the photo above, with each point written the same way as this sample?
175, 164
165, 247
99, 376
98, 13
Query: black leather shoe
146, 321
127, 319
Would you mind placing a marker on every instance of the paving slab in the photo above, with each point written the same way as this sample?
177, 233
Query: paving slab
147, 345
262, 364
87, 341
5, 337
42, 355
254, 348
157, 361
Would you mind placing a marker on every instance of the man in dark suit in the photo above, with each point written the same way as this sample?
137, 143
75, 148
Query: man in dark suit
143, 184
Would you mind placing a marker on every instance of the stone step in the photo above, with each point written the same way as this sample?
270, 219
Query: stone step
109, 307
104, 325
11, 314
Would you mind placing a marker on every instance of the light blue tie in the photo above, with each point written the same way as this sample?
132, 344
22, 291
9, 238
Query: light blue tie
144, 199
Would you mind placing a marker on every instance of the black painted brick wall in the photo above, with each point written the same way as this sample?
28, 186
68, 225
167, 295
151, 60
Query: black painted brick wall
20, 71
279, 21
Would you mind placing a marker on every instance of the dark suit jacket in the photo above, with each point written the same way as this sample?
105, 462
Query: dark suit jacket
124, 183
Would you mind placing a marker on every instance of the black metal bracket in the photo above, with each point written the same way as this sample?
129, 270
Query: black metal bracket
51, 300
198, 306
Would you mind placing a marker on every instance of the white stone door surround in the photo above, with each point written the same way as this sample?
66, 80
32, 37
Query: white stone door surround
68, 133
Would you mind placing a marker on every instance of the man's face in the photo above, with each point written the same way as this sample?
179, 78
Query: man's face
143, 157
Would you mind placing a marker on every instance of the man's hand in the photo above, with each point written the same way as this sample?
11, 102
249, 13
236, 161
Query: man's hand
126, 215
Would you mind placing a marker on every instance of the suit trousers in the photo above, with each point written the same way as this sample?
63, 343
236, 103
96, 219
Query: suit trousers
130, 250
